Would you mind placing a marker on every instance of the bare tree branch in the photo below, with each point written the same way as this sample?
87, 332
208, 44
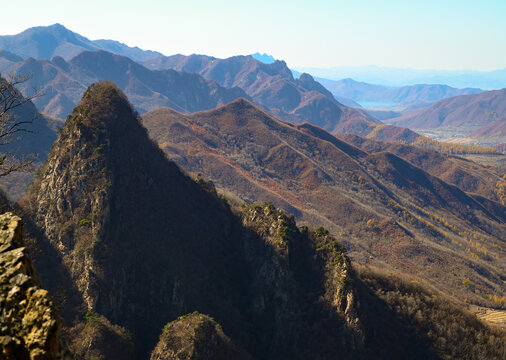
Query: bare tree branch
12, 123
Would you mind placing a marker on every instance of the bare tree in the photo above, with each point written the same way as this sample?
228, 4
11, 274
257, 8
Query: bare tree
11, 124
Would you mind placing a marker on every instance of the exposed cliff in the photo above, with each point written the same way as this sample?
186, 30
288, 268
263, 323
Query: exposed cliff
29, 322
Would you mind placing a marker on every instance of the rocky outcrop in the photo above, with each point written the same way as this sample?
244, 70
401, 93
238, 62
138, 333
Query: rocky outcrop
96, 338
29, 322
196, 337
305, 280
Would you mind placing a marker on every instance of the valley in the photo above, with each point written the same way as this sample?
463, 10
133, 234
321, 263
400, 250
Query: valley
229, 207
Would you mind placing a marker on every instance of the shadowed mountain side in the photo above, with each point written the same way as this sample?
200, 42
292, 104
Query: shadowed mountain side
467, 175
392, 213
64, 83
143, 244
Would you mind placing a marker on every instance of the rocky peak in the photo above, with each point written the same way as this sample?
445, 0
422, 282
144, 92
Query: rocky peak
307, 82
72, 201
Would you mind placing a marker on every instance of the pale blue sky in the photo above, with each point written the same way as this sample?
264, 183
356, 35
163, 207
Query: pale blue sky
428, 34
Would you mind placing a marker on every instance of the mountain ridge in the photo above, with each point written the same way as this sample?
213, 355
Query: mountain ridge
480, 114
273, 87
144, 245
398, 98
64, 83
322, 180
46, 42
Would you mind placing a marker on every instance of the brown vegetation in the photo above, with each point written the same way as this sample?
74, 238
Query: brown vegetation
453, 149
451, 331
323, 180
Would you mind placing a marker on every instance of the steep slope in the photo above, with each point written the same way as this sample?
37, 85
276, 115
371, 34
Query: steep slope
467, 113
393, 213
144, 244
414, 309
63, 83
467, 175
400, 98
45, 42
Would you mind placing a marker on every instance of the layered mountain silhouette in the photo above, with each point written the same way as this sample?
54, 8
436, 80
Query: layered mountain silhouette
481, 114
137, 252
265, 58
392, 212
397, 77
63, 83
273, 87
399, 98
46, 42
55, 56
293, 100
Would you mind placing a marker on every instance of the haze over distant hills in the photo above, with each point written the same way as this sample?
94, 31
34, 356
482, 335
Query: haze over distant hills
45, 42
265, 58
488, 80
480, 115
273, 87
395, 98
64, 83
270, 85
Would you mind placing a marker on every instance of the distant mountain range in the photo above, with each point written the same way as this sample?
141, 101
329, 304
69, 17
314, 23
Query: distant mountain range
265, 58
64, 83
479, 115
488, 80
273, 87
197, 185
393, 98
45, 42
64, 63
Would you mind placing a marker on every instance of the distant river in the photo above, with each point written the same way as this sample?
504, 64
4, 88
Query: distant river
375, 104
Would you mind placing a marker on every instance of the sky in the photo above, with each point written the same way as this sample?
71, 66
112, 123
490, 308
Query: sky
428, 34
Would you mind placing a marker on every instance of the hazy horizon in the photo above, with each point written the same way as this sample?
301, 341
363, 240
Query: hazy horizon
428, 35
